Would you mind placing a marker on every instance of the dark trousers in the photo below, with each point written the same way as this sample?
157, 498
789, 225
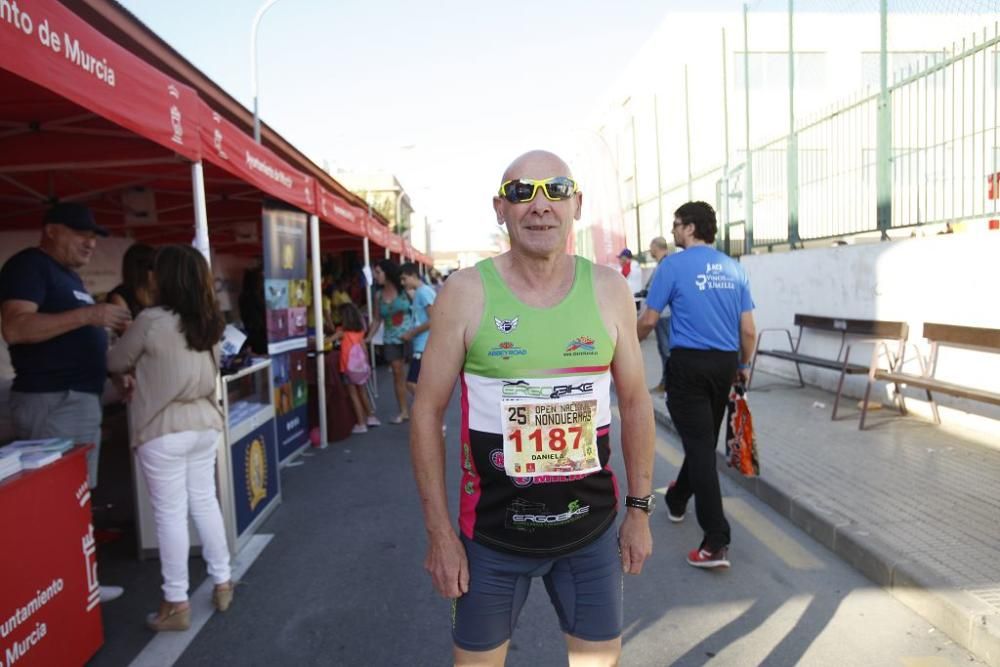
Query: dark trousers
698, 383
663, 346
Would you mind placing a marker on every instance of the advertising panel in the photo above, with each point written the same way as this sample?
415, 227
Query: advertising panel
285, 234
255, 475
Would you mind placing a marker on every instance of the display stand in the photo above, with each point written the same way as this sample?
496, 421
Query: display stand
250, 487
49, 597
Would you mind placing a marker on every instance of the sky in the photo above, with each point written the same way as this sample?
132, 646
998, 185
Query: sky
445, 94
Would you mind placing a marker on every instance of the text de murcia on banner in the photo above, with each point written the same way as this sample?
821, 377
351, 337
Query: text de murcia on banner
12, 17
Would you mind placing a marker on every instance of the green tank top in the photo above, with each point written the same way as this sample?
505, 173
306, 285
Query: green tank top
536, 394
517, 340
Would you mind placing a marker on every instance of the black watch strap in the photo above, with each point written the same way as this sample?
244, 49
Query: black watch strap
644, 503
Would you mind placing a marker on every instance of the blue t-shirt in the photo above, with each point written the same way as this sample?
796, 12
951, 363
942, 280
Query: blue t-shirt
423, 297
707, 292
75, 360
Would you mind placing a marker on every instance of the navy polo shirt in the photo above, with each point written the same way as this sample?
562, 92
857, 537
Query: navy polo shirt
707, 292
76, 360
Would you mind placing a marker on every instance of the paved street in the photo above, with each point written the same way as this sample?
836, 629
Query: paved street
341, 583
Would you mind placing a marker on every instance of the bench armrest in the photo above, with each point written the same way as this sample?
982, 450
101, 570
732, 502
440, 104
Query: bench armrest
760, 337
880, 348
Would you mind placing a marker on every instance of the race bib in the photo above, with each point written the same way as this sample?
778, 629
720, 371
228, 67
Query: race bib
550, 437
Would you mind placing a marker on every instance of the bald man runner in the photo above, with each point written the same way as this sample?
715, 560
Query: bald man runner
543, 334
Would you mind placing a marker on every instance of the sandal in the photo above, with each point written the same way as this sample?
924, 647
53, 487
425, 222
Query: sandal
171, 617
222, 596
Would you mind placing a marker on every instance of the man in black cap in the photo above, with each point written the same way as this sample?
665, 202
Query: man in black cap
56, 333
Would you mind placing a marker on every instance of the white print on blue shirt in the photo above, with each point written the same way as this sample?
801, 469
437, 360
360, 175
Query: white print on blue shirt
714, 278
83, 296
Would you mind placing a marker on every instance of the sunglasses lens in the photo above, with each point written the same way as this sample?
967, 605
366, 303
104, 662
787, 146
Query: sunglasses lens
519, 191
559, 188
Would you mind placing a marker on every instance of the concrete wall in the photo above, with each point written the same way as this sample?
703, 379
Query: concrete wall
952, 279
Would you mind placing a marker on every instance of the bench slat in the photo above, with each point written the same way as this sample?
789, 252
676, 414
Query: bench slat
959, 335
852, 369
941, 386
874, 328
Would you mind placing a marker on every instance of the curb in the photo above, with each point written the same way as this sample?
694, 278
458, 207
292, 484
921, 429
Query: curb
967, 620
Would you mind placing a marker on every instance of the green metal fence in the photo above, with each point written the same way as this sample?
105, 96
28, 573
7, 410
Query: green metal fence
920, 148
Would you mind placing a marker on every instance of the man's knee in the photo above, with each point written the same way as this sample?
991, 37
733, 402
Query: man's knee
584, 653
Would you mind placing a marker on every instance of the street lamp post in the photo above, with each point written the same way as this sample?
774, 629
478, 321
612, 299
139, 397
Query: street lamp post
253, 65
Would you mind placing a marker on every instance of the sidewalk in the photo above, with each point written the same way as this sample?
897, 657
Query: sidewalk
912, 506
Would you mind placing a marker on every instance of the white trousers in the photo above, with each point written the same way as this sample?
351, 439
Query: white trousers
180, 472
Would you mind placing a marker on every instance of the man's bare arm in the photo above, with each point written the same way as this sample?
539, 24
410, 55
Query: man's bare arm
647, 322
22, 323
636, 410
748, 341
442, 363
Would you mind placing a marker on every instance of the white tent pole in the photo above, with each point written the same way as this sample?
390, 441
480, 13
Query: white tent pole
317, 296
200, 212
371, 314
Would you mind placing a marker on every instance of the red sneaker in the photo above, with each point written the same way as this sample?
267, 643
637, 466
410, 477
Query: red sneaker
704, 558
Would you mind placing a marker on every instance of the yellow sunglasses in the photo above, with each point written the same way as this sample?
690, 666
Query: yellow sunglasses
522, 190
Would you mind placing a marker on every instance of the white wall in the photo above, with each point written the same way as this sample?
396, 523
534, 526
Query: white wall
952, 279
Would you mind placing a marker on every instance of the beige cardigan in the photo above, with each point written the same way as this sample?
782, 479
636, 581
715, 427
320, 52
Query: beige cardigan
175, 386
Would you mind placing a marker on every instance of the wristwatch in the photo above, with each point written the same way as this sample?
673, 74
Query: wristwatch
645, 503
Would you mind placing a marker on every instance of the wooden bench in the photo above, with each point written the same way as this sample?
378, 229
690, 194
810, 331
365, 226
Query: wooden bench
949, 335
860, 331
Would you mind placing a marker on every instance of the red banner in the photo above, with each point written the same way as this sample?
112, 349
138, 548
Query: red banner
395, 243
339, 213
225, 145
49, 608
377, 232
47, 44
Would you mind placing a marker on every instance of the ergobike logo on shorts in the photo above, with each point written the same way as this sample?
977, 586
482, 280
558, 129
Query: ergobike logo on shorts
525, 515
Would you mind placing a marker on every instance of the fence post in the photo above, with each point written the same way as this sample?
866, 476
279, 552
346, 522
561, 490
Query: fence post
687, 132
792, 149
635, 185
884, 147
725, 133
748, 190
659, 172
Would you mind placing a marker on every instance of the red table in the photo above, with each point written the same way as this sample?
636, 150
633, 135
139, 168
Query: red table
49, 608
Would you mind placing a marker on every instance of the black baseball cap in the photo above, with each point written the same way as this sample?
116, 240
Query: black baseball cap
75, 216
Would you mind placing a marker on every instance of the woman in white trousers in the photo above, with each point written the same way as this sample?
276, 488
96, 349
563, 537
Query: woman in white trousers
172, 349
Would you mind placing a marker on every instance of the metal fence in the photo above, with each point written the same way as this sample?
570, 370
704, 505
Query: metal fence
919, 149
942, 158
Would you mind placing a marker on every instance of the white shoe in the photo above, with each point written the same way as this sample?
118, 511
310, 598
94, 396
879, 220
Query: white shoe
358, 428
109, 593
373, 421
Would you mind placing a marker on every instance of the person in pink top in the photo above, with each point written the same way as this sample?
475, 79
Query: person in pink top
352, 335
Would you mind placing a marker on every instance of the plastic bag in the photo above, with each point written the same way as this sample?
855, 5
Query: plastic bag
741, 444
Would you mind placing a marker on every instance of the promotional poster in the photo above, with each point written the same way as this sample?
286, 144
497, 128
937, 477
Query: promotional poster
287, 297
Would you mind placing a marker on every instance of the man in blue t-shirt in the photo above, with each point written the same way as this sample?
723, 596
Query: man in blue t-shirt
56, 333
423, 300
712, 337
